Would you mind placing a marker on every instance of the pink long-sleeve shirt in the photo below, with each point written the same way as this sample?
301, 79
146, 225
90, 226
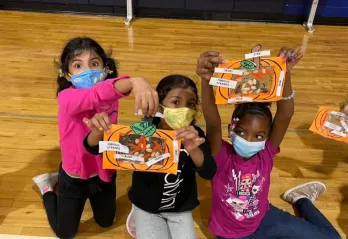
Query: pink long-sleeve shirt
74, 105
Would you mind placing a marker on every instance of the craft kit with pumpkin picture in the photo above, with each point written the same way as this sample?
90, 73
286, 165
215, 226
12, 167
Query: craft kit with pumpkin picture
140, 147
253, 79
331, 123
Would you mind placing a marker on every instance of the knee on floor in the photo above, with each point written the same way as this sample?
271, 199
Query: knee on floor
65, 235
105, 223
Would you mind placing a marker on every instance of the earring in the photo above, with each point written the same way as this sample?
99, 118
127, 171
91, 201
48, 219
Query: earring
60, 73
107, 70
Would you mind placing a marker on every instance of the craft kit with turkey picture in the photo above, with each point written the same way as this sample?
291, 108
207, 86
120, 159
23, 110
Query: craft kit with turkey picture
331, 123
253, 79
140, 147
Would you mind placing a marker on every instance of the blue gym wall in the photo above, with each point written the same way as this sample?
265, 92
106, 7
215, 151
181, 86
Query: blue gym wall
326, 8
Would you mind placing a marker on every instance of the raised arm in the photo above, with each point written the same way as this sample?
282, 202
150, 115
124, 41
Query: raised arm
74, 101
285, 107
205, 69
208, 168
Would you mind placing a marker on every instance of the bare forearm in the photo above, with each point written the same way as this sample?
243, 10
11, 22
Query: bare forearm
285, 111
94, 138
210, 110
212, 118
197, 157
285, 108
125, 85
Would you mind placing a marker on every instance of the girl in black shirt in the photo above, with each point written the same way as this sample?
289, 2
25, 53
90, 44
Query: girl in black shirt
162, 203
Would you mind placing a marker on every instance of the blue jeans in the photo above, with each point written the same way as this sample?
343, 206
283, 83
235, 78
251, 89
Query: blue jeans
280, 224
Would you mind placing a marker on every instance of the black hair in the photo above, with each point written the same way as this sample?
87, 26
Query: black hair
75, 47
253, 108
171, 82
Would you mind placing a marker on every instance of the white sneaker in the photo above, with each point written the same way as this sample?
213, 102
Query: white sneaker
54, 179
310, 190
45, 182
130, 224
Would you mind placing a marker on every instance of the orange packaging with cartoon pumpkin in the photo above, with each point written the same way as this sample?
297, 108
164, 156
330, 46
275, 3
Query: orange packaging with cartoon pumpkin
331, 123
242, 81
140, 147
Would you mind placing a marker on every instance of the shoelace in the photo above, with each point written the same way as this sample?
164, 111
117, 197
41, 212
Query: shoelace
315, 193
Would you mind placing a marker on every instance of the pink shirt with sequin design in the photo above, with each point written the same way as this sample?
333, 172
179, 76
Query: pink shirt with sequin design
240, 191
74, 105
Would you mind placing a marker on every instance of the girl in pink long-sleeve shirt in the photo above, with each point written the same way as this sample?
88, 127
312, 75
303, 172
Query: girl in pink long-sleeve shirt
88, 83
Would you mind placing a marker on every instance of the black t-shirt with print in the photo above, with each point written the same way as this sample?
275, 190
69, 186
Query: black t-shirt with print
161, 192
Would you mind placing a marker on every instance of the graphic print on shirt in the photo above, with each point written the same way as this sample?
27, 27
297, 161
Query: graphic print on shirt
172, 185
241, 194
171, 189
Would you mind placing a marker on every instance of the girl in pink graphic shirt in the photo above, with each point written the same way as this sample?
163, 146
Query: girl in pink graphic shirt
240, 207
88, 84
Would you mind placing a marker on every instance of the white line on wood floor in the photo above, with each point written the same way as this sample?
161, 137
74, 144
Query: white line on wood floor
4, 236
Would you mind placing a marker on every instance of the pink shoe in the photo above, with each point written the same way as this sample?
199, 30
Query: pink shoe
130, 224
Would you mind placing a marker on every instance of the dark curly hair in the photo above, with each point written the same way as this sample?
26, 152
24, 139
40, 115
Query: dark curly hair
77, 46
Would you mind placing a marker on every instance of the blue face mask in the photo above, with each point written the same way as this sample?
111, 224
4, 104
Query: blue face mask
244, 148
88, 78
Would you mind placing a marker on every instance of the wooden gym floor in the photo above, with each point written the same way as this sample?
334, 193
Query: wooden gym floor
154, 48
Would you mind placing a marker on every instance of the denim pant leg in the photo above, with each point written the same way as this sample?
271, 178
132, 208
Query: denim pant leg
280, 224
311, 214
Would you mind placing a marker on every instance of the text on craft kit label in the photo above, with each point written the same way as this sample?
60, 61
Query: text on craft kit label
112, 146
240, 99
157, 159
129, 157
332, 126
228, 71
222, 82
257, 54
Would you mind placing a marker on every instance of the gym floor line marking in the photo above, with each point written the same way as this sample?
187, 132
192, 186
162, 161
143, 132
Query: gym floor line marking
126, 122
6, 236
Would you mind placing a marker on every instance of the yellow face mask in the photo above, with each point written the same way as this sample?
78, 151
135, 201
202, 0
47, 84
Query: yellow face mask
178, 118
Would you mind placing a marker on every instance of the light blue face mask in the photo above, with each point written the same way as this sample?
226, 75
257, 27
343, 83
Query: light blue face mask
244, 148
88, 78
